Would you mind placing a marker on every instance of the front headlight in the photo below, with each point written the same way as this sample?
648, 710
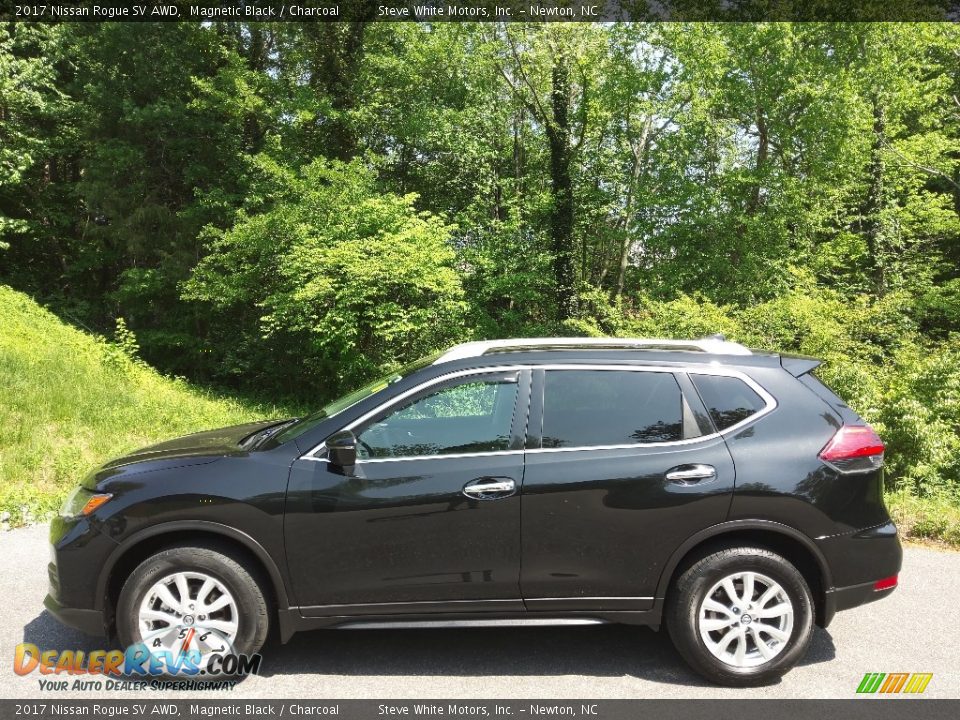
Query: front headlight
82, 502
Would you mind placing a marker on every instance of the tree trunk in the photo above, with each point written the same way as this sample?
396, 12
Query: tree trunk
256, 57
874, 203
763, 151
336, 53
638, 153
561, 219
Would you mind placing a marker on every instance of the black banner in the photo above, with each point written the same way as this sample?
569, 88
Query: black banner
477, 10
229, 707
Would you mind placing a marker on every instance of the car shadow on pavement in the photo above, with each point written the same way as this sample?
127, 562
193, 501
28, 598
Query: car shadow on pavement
602, 651
47, 633
611, 651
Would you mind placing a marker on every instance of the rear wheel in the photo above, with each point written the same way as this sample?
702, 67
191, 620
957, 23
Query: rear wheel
741, 616
192, 600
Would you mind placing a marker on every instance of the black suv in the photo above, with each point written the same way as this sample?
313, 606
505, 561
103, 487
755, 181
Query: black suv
725, 493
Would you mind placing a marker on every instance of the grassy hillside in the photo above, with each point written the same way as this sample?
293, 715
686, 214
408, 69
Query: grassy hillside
69, 401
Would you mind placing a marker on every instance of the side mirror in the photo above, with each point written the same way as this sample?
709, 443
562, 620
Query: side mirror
342, 449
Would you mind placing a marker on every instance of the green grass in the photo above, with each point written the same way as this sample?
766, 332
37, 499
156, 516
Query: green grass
69, 401
934, 520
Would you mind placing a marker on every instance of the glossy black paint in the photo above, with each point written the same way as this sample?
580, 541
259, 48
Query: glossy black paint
602, 523
594, 532
402, 532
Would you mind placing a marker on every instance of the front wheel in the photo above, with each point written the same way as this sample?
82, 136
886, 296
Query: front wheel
192, 603
741, 616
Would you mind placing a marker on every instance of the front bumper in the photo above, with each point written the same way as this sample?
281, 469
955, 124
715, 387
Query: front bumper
77, 553
87, 621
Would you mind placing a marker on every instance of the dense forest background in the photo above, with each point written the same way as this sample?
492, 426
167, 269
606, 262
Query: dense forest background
282, 211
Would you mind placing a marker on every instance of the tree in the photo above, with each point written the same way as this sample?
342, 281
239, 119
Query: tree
30, 105
549, 73
164, 141
332, 283
318, 65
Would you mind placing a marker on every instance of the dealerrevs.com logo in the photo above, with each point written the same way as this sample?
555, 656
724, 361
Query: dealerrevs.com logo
894, 683
137, 668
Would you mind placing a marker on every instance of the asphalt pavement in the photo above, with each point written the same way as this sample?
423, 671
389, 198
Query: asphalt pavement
917, 629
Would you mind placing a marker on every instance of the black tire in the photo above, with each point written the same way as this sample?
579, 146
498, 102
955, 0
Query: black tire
254, 616
689, 591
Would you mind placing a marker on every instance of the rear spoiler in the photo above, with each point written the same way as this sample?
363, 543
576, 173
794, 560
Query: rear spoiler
798, 365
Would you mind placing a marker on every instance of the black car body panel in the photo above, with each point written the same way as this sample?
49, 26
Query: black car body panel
587, 531
422, 540
643, 517
193, 449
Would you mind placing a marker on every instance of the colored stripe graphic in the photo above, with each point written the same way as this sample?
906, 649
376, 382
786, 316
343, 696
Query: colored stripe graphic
894, 682
918, 682
870, 682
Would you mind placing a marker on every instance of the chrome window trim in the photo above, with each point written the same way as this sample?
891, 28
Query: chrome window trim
770, 405
366, 461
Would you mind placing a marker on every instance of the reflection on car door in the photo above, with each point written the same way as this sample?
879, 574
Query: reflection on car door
429, 517
616, 479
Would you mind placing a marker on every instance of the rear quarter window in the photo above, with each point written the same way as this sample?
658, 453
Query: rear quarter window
729, 400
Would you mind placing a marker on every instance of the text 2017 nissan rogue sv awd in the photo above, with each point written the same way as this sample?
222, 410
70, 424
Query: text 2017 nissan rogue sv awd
724, 493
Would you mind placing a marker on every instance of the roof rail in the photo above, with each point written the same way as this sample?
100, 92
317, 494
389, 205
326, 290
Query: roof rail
715, 345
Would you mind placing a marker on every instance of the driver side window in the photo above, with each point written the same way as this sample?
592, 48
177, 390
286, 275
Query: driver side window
475, 414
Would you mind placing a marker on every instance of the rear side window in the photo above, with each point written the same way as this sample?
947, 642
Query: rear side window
728, 399
583, 408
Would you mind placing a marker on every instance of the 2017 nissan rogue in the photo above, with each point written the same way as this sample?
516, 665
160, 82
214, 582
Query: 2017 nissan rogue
724, 493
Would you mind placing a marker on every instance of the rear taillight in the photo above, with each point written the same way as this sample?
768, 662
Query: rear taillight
855, 448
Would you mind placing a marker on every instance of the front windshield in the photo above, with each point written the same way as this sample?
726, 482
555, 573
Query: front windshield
339, 405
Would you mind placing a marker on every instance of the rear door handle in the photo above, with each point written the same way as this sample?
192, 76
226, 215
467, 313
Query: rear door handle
490, 488
691, 474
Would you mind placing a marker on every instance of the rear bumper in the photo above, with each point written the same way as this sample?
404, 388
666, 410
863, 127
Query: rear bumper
87, 621
858, 560
852, 596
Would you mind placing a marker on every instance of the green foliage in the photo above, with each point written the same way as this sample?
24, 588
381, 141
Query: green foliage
506, 276
349, 281
290, 208
29, 99
71, 401
874, 359
124, 352
925, 518
919, 417
938, 309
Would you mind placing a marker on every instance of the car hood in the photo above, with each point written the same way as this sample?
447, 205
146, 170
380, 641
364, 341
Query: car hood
201, 447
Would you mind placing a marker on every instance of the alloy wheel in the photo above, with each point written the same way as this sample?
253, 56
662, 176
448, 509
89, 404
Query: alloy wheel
746, 619
189, 611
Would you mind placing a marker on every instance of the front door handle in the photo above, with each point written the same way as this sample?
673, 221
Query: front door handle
490, 488
691, 474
